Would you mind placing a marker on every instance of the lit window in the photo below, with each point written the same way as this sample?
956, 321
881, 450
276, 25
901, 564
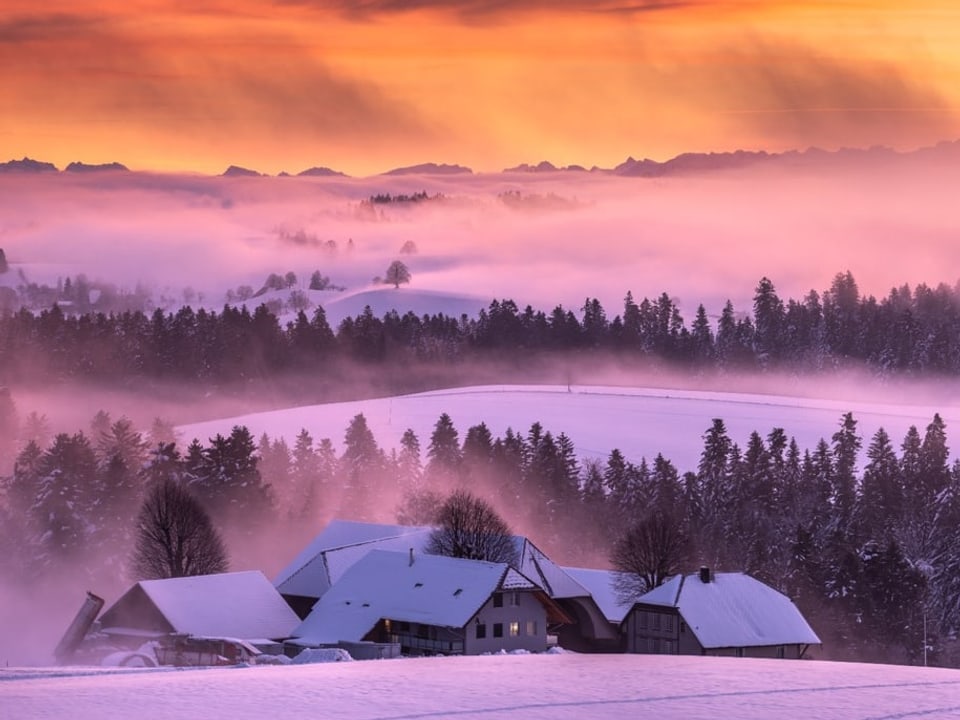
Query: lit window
514, 629
481, 631
531, 627
498, 629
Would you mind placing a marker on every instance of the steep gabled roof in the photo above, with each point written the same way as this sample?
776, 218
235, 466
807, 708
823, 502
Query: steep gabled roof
432, 590
337, 547
241, 605
733, 610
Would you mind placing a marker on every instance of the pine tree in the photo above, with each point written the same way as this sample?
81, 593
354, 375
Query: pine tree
846, 446
361, 467
443, 453
880, 504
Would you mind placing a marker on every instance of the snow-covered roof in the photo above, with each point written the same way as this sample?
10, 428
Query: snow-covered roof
240, 604
545, 572
337, 547
432, 590
733, 610
343, 542
599, 583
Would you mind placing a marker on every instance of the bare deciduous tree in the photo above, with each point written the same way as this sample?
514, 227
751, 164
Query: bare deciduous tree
175, 537
648, 553
468, 527
397, 274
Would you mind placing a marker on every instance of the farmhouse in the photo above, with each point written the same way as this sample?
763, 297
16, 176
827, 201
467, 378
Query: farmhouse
241, 605
431, 604
709, 613
343, 543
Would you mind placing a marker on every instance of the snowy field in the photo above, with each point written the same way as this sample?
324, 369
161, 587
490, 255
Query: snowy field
641, 422
525, 687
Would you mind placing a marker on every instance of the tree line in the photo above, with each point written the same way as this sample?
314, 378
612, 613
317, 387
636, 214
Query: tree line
870, 553
911, 331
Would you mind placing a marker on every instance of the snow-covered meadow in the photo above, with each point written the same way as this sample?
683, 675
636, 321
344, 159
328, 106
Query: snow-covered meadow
640, 422
528, 687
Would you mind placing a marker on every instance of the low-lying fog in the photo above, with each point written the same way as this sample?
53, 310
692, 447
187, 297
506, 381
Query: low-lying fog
569, 236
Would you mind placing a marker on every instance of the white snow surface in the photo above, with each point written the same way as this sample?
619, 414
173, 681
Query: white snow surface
239, 604
433, 589
733, 610
382, 300
521, 687
640, 421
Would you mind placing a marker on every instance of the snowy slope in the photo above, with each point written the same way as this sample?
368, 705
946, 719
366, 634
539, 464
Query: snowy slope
520, 687
641, 422
406, 299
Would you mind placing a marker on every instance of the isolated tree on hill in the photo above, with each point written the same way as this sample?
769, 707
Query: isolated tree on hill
469, 527
648, 553
175, 537
396, 274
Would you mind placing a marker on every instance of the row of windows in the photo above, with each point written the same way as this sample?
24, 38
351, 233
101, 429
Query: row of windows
656, 621
513, 628
512, 597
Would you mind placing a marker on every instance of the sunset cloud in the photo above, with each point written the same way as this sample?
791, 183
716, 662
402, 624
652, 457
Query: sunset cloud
365, 86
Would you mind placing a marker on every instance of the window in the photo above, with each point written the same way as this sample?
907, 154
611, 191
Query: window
781, 651
643, 618
656, 621
739, 652
498, 599
498, 629
669, 625
683, 626
514, 629
531, 627
481, 631
514, 599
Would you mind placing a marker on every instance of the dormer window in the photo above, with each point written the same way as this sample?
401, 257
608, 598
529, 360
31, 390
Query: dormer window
418, 585
456, 593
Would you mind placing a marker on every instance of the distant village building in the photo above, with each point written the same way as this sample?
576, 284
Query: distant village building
710, 613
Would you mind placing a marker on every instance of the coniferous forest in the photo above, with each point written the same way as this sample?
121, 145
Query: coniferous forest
912, 331
861, 532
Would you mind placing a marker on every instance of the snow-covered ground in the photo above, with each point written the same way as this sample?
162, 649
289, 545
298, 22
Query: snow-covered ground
524, 687
641, 422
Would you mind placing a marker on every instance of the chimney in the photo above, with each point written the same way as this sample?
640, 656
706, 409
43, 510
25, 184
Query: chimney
704, 574
411, 557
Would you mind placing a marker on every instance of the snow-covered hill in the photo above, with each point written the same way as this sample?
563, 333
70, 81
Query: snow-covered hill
641, 422
520, 687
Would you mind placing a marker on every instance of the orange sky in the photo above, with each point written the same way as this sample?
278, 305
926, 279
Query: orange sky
369, 85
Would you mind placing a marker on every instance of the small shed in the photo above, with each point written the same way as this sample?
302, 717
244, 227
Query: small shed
242, 605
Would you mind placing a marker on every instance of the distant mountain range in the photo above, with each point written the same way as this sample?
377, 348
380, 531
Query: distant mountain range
685, 163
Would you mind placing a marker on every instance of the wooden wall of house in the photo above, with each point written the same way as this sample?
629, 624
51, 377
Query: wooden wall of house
652, 629
520, 611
